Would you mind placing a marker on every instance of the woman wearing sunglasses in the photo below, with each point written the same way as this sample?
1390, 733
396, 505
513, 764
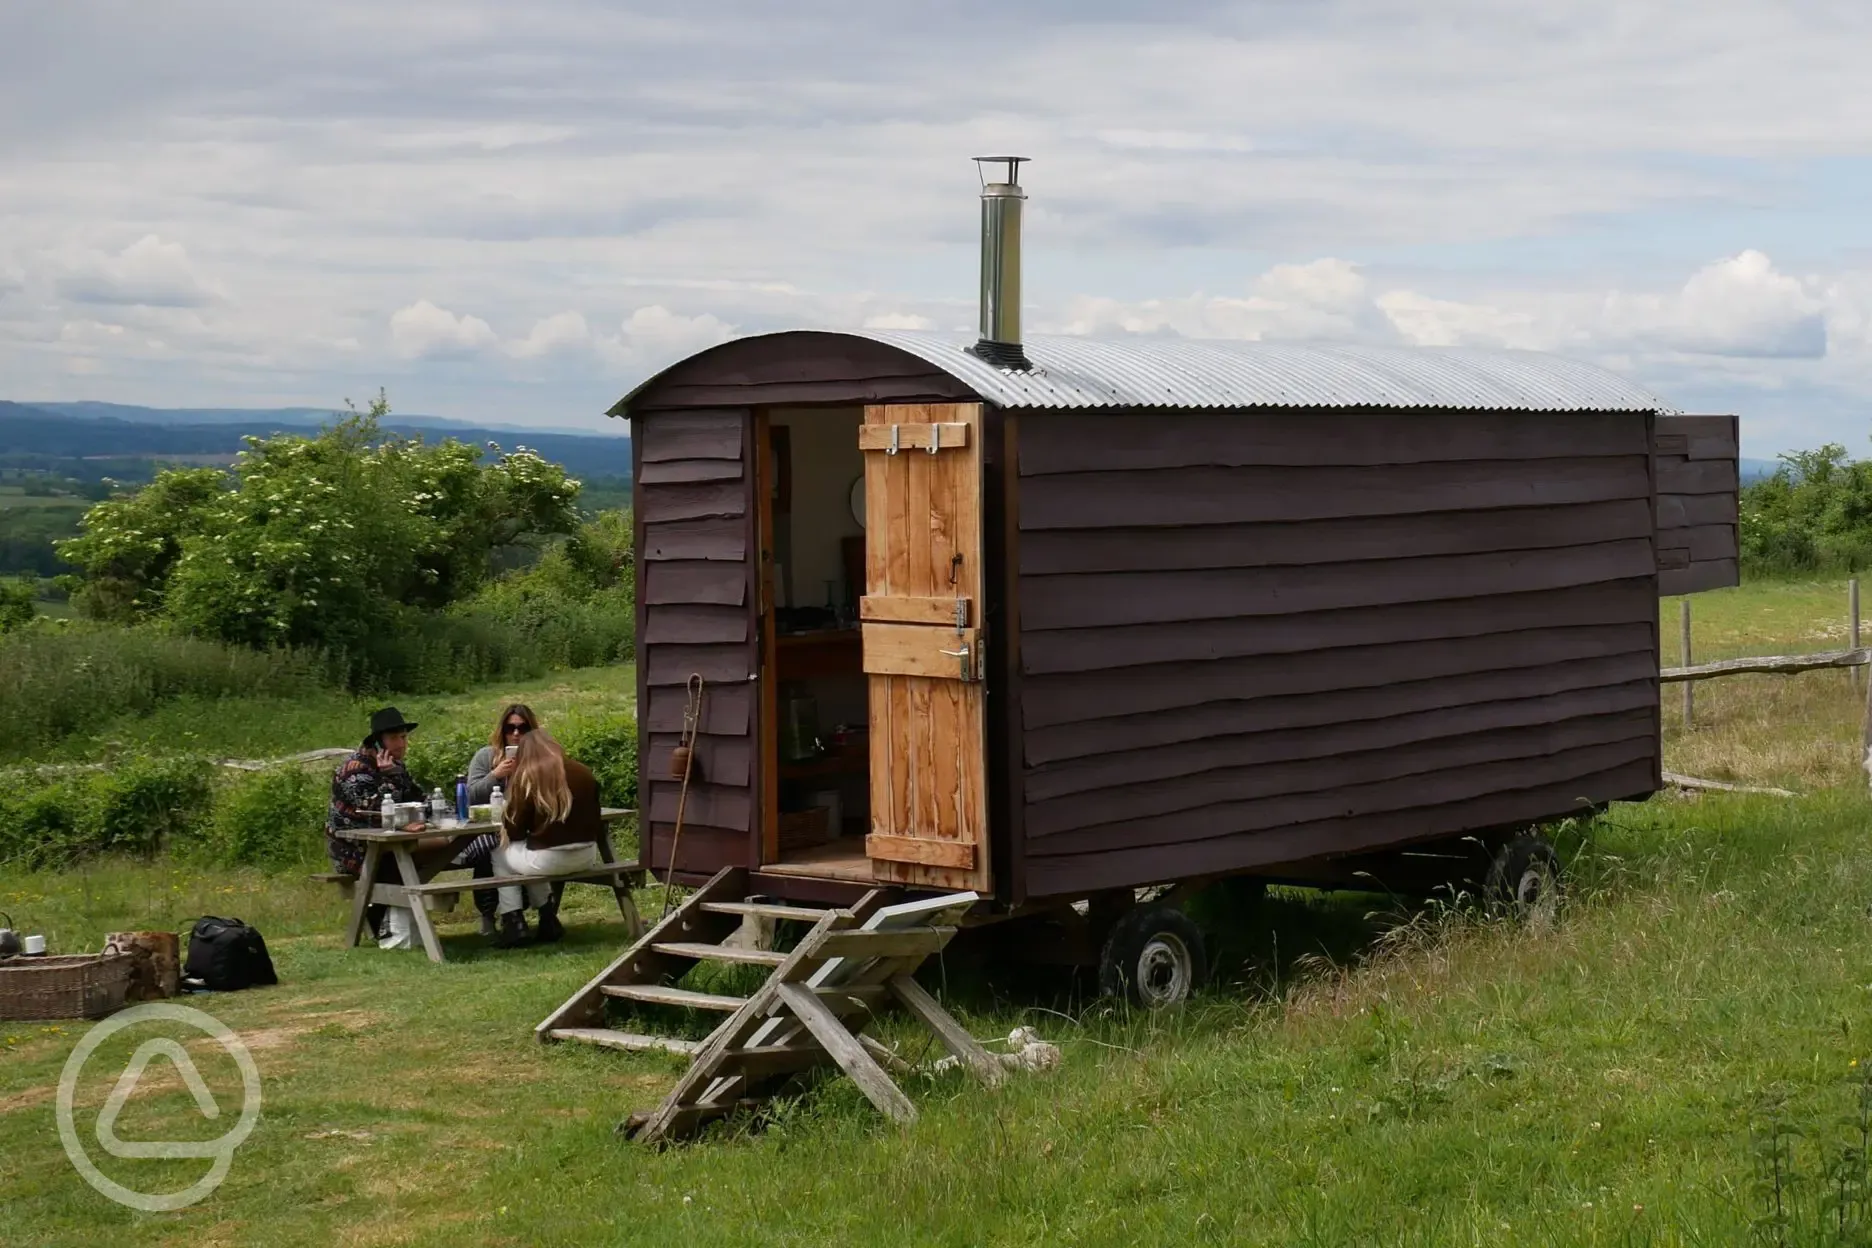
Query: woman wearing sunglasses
493, 764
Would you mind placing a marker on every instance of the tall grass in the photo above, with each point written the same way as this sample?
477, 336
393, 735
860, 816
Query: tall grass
57, 680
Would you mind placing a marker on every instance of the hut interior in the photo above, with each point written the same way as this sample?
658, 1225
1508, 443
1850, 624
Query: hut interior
816, 750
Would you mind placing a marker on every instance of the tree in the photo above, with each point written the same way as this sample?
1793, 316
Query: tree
128, 545
1814, 512
319, 541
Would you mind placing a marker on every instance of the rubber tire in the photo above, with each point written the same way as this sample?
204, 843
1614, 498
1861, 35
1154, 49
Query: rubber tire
1168, 938
1525, 860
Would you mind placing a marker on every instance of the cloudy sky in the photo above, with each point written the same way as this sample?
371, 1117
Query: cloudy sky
513, 212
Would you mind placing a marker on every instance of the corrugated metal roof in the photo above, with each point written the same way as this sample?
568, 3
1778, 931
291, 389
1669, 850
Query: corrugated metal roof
1184, 372
1076, 372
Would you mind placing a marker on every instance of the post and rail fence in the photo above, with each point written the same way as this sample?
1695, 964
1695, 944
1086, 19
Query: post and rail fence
1854, 657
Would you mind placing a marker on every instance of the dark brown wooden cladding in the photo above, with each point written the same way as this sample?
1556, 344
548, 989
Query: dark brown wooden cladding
802, 367
693, 585
1697, 465
1249, 639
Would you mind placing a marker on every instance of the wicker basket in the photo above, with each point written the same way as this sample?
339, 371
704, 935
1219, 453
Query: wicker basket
87, 985
800, 828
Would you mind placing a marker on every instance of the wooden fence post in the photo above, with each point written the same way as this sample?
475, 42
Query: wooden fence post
1852, 612
1689, 686
1865, 734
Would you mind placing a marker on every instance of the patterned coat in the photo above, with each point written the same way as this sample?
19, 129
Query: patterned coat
357, 793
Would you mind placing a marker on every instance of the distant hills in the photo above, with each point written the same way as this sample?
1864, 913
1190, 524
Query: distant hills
1755, 469
78, 439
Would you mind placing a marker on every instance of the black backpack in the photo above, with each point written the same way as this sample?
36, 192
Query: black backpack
226, 955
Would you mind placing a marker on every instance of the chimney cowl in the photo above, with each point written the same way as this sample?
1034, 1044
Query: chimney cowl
1000, 342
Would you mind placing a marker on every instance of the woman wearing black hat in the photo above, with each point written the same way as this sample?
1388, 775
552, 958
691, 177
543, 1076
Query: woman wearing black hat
357, 792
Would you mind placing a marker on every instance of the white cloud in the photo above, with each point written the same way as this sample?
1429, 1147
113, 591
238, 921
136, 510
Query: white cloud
1322, 299
563, 331
1736, 307
664, 174
424, 331
149, 272
898, 320
654, 337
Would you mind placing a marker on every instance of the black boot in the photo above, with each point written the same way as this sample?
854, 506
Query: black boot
513, 930
550, 928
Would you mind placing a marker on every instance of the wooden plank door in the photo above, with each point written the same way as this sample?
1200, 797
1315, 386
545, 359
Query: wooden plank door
921, 615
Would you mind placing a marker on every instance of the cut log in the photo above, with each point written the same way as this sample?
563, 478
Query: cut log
1720, 786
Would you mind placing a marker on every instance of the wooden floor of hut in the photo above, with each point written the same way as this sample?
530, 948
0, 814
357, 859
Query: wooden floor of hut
840, 859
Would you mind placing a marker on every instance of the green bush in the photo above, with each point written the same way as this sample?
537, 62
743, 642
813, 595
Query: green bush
16, 604
608, 745
272, 818
39, 828
437, 755
142, 804
1813, 516
136, 807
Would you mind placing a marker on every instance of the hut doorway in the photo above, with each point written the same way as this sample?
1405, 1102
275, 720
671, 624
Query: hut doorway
873, 711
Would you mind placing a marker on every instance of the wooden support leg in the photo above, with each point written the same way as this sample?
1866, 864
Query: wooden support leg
954, 1036
621, 889
419, 913
847, 1052
361, 891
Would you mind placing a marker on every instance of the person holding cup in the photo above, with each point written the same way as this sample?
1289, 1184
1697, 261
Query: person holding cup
493, 764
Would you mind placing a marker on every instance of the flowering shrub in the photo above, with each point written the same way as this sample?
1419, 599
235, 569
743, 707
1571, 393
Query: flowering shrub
316, 542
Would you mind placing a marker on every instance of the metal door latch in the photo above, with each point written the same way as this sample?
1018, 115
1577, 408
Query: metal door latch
892, 448
963, 655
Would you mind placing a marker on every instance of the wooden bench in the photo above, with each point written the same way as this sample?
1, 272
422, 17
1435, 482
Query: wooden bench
445, 892
431, 894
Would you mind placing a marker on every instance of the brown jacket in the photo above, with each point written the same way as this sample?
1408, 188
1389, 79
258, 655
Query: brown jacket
581, 826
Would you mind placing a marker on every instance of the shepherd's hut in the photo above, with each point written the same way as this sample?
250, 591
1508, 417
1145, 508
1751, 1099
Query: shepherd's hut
1053, 618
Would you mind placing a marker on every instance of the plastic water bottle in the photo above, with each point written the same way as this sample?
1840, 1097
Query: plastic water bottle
438, 809
497, 805
387, 812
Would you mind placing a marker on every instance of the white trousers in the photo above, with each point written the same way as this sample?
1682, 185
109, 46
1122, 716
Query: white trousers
519, 859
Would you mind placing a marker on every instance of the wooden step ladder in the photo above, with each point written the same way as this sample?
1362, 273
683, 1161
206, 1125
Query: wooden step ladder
810, 1012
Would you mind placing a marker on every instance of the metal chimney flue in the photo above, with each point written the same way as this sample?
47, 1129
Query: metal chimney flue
1000, 342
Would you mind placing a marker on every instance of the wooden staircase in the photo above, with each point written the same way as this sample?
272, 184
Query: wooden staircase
810, 1011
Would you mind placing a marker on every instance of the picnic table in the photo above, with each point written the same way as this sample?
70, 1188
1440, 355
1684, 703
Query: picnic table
400, 845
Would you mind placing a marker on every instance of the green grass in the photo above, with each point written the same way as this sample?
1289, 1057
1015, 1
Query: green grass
1356, 1073
1448, 1081
259, 727
1764, 617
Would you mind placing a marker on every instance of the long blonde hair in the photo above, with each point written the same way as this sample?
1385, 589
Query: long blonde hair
539, 781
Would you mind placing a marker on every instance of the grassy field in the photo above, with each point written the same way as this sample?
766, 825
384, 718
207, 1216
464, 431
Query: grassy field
275, 727
1357, 1073
1801, 732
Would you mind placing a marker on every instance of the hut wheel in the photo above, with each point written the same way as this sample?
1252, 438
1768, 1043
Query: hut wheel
1152, 958
1524, 879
